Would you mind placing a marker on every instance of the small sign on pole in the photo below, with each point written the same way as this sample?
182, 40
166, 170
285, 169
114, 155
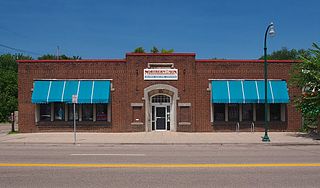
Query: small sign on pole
74, 101
74, 98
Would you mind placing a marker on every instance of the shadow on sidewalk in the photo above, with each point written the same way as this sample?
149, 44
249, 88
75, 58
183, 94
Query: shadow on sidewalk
313, 135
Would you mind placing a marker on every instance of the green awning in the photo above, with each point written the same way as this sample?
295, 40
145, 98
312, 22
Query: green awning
248, 91
88, 91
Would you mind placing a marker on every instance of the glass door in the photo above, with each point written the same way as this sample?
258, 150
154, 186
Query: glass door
160, 117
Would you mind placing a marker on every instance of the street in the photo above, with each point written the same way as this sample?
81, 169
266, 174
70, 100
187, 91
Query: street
179, 165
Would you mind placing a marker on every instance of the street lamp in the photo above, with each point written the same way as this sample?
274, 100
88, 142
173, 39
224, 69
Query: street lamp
271, 31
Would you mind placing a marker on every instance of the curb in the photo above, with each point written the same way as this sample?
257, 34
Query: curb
188, 144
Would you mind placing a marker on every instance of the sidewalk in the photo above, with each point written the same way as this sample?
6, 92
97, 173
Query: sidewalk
277, 138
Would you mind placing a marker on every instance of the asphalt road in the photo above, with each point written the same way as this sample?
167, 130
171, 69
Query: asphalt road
162, 168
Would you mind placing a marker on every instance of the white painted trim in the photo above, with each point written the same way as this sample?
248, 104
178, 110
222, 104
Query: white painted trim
271, 90
228, 91
78, 88
64, 86
49, 89
243, 95
92, 90
184, 104
184, 123
257, 90
136, 104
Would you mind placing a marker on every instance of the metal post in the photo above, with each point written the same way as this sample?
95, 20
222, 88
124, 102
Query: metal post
74, 123
266, 138
12, 122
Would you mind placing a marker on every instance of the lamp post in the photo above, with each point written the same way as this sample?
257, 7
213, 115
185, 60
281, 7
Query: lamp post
271, 31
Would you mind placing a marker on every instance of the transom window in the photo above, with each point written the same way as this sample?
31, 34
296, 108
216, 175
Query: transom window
160, 99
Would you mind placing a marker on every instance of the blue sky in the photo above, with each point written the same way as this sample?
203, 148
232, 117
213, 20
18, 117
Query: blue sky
96, 29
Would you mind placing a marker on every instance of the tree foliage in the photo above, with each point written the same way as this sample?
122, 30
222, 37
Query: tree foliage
306, 75
9, 81
139, 50
9, 84
285, 54
154, 50
167, 51
62, 57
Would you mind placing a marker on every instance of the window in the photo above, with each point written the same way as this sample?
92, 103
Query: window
247, 112
260, 112
70, 112
233, 112
87, 112
185, 114
275, 112
101, 112
160, 99
59, 111
45, 112
219, 110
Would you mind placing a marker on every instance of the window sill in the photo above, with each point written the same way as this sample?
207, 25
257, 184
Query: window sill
70, 123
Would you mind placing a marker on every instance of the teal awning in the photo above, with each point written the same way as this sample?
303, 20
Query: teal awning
248, 91
88, 91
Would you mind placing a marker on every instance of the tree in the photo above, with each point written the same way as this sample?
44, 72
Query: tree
285, 54
306, 75
139, 50
154, 50
9, 84
53, 57
167, 51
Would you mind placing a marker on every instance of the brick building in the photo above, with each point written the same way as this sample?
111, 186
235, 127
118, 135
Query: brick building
154, 92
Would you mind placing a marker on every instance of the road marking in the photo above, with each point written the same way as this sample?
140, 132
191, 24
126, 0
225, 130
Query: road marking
106, 154
159, 165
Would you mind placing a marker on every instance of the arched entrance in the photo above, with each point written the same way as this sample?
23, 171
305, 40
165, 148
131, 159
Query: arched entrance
160, 112
160, 103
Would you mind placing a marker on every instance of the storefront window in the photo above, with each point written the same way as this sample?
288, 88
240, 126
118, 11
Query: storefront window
70, 112
59, 111
233, 112
87, 112
275, 112
260, 112
219, 110
45, 112
101, 112
247, 112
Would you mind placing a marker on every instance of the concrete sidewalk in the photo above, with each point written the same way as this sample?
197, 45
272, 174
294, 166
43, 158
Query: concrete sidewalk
277, 138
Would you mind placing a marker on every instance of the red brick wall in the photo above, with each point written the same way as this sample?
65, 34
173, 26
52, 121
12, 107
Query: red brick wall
127, 80
241, 70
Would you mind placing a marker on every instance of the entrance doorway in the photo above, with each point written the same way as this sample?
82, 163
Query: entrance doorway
160, 107
160, 113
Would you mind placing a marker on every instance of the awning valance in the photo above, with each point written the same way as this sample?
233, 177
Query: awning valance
248, 91
88, 91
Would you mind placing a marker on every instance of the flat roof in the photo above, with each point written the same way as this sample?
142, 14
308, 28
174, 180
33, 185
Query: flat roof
245, 61
74, 60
